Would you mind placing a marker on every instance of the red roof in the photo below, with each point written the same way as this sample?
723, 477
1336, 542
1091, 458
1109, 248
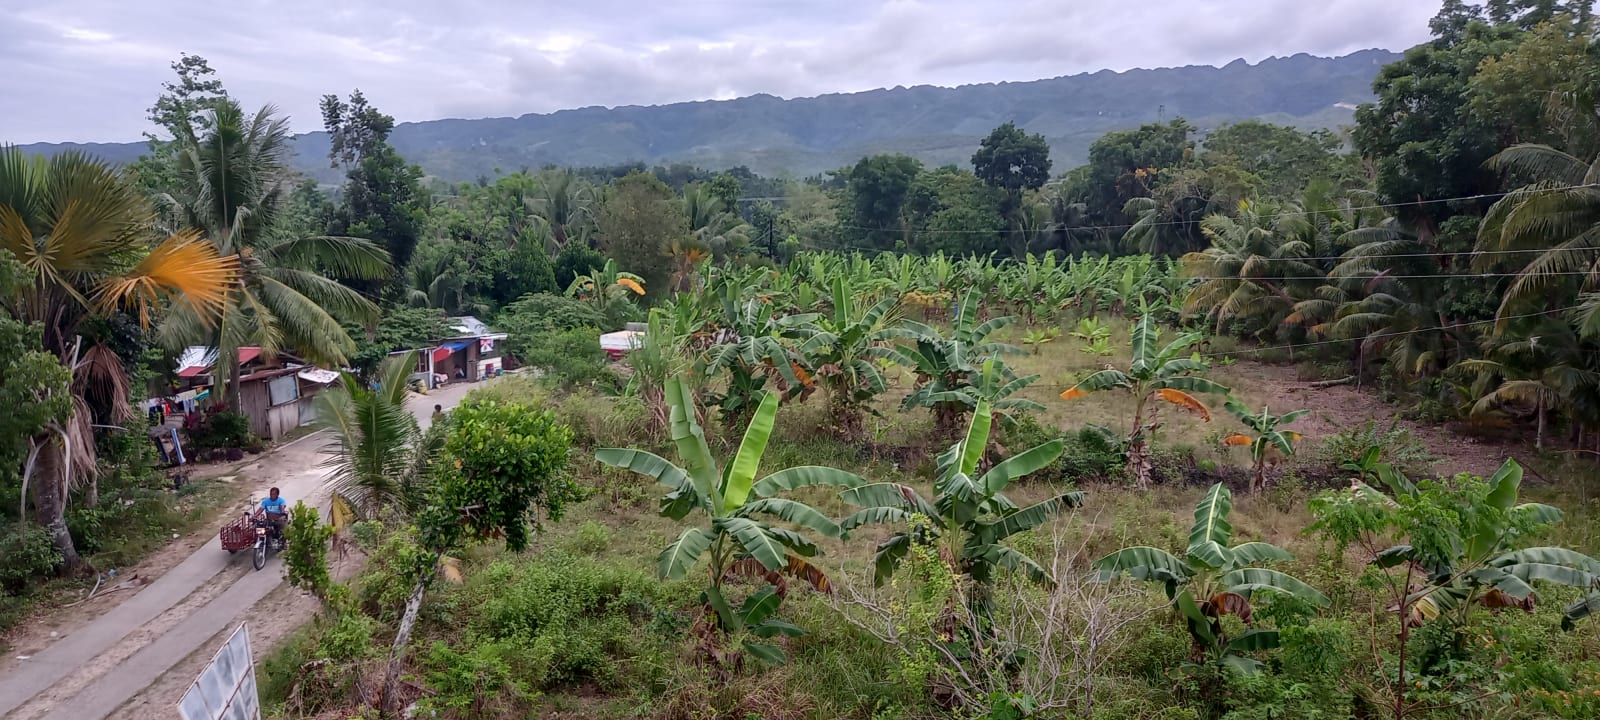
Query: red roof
246, 354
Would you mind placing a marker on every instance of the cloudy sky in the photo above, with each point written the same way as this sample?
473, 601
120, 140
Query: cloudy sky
86, 70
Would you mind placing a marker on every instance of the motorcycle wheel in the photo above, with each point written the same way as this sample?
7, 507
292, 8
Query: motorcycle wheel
259, 559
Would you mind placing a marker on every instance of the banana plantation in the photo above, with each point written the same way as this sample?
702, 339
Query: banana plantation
1240, 422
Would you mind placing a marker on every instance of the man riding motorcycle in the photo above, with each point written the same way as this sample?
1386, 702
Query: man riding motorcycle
277, 511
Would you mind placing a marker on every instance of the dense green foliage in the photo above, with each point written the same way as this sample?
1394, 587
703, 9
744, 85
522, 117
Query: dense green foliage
1442, 253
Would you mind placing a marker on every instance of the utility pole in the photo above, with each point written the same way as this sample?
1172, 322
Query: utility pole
772, 243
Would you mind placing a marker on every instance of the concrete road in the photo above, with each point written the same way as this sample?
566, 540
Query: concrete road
102, 687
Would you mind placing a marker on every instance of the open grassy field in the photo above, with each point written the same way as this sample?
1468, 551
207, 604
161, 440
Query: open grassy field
578, 626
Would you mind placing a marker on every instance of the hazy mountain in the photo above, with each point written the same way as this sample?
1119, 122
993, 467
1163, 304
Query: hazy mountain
804, 136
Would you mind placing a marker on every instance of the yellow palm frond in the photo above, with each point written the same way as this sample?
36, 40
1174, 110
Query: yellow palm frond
185, 268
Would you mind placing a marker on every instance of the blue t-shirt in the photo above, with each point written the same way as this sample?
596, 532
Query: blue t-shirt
279, 506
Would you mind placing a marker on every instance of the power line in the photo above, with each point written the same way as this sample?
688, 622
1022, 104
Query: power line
1364, 338
1291, 213
1342, 258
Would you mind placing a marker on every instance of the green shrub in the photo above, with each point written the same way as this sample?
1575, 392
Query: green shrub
571, 359
1310, 682
28, 554
215, 427
305, 556
540, 314
1091, 453
477, 683
1398, 447
572, 620
592, 538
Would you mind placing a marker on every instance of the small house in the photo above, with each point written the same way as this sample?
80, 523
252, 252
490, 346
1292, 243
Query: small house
275, 390
475, 352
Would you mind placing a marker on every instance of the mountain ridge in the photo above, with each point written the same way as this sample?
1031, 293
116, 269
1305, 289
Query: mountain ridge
805, 135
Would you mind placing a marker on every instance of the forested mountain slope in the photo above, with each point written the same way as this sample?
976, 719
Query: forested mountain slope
804, 136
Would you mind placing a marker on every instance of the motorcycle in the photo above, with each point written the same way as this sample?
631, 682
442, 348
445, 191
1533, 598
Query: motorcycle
268, 540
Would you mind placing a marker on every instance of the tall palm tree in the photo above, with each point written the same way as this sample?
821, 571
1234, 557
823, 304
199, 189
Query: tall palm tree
1555, 217
1547, 368
714, 226
376, 449
232, 181
1255, 267
85, 237
565, 203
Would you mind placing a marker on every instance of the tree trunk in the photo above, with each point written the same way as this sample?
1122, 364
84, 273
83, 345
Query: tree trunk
1538, 438
50, 502
391, 675
232, 392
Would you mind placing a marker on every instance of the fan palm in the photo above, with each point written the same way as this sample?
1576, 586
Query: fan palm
1164, 373
232, 181
376, 445
82, 233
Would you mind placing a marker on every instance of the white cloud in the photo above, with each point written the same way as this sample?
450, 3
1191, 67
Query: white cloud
86, 69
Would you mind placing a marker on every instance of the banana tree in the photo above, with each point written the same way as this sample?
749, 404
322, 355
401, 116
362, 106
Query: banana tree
754, 346
1265, 439
1213, 581
1461, 550
1165, 374
948, 367
737, 537
969, 518
605, 283
841, 350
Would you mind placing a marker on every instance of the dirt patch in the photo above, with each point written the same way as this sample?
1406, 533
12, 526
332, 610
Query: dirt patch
1344, 407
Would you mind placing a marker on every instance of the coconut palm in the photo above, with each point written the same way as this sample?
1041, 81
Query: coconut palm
231, 183
1167, 373
1247, 271
83, 235
376, 447
564, 202
1556, 217
1546, 369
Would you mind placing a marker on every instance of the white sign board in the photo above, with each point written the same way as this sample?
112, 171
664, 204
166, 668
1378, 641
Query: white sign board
226, 688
